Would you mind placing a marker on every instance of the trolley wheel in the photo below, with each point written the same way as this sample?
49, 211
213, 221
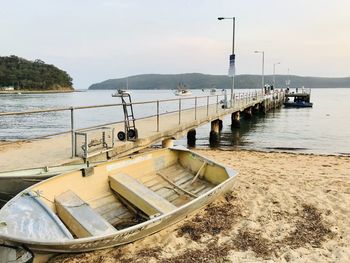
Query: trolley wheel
121, 136
132, 134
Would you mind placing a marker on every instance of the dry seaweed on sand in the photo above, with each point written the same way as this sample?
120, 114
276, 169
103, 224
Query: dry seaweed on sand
309, 229
152, 252
217, 217
247, 240
210, 253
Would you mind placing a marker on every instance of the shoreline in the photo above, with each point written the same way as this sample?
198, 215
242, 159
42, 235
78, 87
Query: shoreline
296, 152
36, 92
7, 143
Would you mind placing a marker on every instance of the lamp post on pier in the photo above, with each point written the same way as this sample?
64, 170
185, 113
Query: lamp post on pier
232, 56
274, 74
262, 70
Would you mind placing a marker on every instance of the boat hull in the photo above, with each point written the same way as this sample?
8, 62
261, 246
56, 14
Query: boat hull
131, 235
298, 104
11, 186
183, 94
13, 182
137, 231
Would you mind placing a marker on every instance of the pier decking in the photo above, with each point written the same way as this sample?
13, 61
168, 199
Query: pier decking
58, 149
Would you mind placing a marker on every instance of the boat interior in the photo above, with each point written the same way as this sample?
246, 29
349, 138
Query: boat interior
113, 196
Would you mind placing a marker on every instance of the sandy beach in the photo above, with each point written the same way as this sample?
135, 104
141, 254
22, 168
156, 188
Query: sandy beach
284, 207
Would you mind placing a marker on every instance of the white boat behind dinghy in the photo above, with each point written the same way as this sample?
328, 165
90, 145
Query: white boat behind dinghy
13, 182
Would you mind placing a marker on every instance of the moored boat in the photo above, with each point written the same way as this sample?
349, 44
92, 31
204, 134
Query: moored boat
298, 99
113, 203
182, 90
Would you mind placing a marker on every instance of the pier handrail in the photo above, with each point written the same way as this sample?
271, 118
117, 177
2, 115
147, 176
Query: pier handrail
107, 105
239, 99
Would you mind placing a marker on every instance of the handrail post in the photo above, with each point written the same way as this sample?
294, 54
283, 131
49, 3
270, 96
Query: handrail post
233, 101
217, 103
157, 115
207, 105
195, 108
179, 111
72, 131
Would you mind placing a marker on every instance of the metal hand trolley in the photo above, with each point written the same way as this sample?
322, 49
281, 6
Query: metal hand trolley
130, 132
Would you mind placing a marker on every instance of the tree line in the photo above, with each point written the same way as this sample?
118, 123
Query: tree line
22, 74
205, 81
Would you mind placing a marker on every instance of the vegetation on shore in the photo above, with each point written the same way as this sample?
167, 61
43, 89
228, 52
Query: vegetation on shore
205, 81
21, 74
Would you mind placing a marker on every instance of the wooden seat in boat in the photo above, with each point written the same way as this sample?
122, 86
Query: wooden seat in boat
79, 217
139, 195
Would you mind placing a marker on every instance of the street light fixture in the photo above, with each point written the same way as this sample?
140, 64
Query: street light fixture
232, 57
262, 70
274, 74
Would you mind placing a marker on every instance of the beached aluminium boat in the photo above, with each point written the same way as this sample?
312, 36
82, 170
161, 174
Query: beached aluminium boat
13, 182
113, 203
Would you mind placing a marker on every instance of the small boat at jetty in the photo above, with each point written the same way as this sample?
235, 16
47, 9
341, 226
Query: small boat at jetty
182, 90
301, 98
13, 182
113, 203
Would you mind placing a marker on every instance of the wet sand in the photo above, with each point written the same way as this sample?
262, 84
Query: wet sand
284, 207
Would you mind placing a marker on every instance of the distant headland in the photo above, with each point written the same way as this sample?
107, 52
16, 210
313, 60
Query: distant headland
21, 75
205, 81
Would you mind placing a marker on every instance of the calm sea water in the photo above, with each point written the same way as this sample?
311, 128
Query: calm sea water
325, 128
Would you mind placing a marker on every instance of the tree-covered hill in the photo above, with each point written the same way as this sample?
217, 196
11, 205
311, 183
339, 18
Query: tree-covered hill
23, 74
203, 81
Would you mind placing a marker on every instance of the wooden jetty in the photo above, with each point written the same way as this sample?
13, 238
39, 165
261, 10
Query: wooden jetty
161, 127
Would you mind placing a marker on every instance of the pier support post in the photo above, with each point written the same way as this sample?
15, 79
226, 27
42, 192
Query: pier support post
248, 113
256, 108
263, 107
221, 125
235, 120
214, 133
167, 143
191, 138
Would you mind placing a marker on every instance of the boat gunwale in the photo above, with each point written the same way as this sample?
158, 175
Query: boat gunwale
38, 172
47, 244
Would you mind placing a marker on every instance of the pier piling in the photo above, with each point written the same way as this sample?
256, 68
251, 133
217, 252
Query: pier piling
214, 132
235, 120
167, 143
191, 138
247, 113
221, 125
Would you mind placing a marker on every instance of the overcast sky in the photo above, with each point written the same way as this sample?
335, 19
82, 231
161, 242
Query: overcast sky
94, 40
